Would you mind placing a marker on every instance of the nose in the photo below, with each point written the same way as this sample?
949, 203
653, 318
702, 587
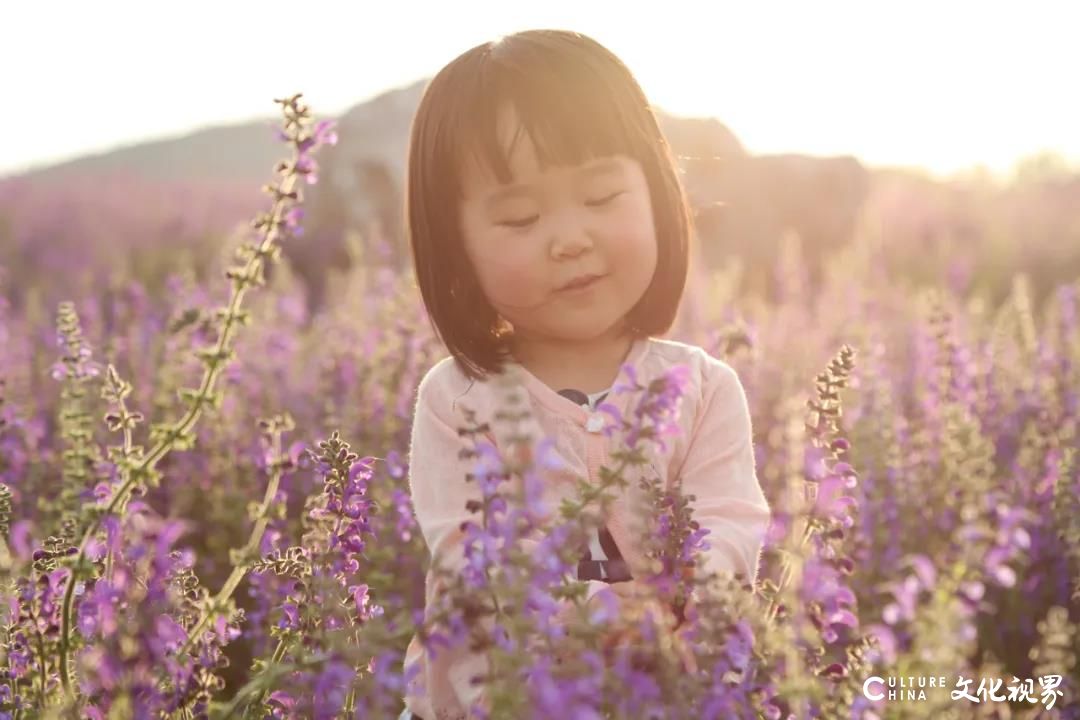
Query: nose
571, 235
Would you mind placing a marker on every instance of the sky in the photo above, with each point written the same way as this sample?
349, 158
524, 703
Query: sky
943, 85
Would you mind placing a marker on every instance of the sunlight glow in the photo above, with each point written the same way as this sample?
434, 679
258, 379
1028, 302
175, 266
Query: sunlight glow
945, 86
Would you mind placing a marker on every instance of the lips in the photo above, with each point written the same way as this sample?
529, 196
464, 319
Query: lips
581, 281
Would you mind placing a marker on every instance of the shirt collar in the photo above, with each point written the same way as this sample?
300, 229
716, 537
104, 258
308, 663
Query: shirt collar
560, 405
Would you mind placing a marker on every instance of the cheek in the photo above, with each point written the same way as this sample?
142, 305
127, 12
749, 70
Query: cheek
509, 279
639, 262
636, 246
504, 269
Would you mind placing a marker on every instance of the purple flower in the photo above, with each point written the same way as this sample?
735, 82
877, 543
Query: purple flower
657, 408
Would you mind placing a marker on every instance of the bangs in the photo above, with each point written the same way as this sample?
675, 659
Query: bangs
570, 115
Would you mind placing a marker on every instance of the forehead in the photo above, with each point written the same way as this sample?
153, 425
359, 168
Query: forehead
510, 147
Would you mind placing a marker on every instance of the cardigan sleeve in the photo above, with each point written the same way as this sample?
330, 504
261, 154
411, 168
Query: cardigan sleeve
719, 469
439, 494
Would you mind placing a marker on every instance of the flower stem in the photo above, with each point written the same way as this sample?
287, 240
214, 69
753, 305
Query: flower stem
252, 544
165, 444
279, 653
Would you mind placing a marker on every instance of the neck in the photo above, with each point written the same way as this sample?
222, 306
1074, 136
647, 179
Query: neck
586, 365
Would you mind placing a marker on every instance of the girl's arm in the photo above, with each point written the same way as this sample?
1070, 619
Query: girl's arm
719, 470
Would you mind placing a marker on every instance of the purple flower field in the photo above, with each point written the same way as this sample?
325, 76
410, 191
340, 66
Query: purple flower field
205, 512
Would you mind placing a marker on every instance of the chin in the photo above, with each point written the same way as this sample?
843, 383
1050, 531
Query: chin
589, 331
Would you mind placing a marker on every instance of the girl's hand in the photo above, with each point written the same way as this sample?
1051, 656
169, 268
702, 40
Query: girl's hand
637, 592
689, 610
631, 591
636, 599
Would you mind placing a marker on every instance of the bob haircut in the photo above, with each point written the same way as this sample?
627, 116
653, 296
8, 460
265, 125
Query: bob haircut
577, 101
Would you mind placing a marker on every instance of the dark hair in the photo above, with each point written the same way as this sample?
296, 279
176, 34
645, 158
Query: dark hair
576, 100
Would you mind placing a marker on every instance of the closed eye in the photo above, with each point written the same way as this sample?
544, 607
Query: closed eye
604, 200
523, 222
526, 221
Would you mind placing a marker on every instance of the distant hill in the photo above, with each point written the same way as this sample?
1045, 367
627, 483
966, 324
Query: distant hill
743, 203
245, 152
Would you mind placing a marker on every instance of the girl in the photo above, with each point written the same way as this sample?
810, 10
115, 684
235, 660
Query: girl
550, 232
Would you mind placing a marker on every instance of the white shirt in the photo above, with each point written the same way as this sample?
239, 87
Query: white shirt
595, 548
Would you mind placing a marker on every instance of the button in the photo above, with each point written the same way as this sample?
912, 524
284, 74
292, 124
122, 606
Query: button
595, 423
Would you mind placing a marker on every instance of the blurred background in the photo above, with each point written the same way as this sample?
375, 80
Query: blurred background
929, 126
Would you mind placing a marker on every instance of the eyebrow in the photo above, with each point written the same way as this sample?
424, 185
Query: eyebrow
597, 167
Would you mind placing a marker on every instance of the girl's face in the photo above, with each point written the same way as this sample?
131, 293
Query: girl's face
529, 239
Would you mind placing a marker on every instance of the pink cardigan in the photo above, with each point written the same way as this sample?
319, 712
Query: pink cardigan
713, 454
